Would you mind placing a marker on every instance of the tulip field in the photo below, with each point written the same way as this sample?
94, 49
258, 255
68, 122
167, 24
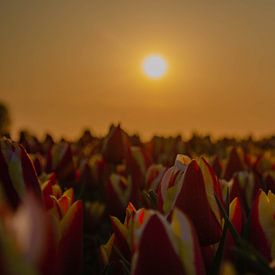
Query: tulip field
119, 205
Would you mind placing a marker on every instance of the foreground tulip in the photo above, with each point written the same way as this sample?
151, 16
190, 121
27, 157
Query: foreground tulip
262, 233
32, 235
154, 245
163, 248
46, 242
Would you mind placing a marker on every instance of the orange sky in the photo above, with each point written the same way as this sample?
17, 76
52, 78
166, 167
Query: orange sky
67, 65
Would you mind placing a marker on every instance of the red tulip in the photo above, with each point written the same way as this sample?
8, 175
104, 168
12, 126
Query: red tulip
233, 165
116, 145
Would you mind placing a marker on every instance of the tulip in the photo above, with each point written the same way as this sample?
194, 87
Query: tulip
137, 164
197, 199
154, 176
116, 145
169, 184
17, 174
192, 189
262, 230
60, 160
67, 216
233, 165
163, 248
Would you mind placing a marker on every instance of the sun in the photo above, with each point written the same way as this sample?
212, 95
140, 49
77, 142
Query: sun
154, 66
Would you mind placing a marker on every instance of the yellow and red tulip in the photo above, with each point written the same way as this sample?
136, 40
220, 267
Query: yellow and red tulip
170, 183
262, 233
193, 191
156, 241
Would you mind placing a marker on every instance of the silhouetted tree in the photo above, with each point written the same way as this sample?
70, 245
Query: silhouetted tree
4, 119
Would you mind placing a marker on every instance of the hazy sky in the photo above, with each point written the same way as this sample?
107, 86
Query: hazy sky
67, 65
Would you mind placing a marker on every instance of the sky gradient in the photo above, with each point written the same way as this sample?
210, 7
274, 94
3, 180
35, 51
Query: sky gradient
68, 65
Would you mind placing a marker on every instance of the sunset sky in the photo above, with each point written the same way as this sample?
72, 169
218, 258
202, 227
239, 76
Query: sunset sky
68, 65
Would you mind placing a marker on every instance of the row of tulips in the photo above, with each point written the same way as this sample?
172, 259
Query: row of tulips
60, 202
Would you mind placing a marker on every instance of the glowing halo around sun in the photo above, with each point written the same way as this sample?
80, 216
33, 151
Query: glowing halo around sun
154, 66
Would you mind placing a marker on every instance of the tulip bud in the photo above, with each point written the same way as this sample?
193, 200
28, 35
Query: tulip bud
192, 189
